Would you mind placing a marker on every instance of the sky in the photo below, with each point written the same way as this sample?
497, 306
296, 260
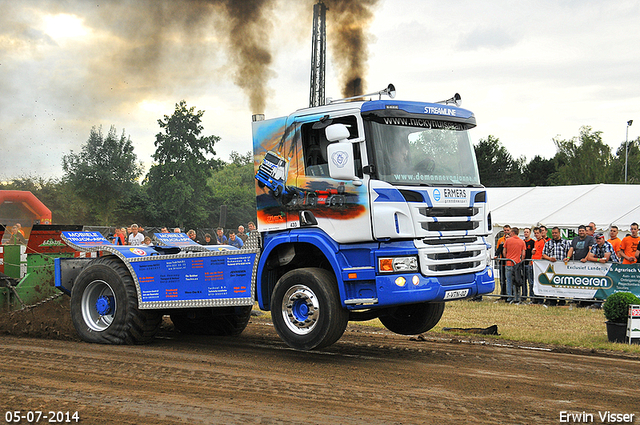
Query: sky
530, 71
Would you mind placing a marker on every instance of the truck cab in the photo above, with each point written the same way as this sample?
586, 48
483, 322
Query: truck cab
385, 197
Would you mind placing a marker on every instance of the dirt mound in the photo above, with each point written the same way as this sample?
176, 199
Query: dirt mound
51, 320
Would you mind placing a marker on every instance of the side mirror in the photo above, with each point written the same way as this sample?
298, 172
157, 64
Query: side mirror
341, 161
336, 132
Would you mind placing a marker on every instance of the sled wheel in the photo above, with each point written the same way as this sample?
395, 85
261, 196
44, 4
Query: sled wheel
306, 309
104, 306
220, 321
413, 319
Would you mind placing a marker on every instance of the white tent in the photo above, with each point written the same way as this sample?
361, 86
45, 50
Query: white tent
565, 206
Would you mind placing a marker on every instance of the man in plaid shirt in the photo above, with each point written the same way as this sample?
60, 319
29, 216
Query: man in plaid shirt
602, 251
556, 248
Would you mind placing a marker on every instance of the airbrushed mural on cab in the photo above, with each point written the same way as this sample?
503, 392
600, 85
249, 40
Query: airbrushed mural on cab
282, 189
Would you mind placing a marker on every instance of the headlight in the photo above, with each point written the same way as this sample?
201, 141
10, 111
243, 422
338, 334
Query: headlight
398, 264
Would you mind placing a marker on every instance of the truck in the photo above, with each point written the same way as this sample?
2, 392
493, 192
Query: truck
366, 208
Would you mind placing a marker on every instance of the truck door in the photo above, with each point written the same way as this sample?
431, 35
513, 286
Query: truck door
340, 208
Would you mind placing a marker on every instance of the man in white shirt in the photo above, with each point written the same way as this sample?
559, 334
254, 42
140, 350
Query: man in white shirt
135, 238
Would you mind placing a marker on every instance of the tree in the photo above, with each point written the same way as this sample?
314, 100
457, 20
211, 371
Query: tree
633, 163
184, 161
538, 171
583, 160
496, 166
103, 172
234, 186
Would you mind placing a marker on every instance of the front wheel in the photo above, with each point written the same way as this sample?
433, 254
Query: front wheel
413, 319
306, 309
104, 305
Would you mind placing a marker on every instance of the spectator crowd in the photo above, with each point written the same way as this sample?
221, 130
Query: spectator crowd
135, 235
515, 254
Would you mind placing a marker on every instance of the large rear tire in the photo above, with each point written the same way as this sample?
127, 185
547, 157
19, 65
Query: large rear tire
306, 309
104, 306
220, 321
413, 319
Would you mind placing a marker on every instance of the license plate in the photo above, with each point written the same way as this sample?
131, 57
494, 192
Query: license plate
460, 293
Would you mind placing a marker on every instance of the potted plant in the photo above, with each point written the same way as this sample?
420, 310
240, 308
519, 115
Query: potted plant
616, 311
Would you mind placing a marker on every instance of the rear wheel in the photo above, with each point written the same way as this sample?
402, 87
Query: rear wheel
221, 321
413, 319
306, 309
104, 306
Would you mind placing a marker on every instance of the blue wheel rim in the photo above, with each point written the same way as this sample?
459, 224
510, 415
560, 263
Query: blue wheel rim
300, 309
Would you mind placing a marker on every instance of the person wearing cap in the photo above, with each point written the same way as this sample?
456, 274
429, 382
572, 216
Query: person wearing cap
602, 251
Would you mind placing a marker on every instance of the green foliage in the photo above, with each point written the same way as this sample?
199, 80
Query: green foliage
633, 163
135, 208
177, 182
102, 173
538, 171
241, 160
583, 160
234, 186
496, 166
616, 307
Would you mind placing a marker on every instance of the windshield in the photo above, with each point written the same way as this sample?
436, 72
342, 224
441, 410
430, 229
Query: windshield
413, 155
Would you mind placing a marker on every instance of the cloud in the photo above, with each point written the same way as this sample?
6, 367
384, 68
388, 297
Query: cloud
488, 38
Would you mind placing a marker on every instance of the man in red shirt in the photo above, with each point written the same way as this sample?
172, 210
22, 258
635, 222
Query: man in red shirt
629, 246
514, 252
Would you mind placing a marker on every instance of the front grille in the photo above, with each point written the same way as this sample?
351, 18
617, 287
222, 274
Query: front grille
456, 266
444, 226
266, 167
453, 255
448, 212
448, 241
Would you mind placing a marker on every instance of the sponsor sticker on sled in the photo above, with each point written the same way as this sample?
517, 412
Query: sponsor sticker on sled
138, 251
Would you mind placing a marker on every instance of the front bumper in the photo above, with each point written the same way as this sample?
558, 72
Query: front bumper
411, 288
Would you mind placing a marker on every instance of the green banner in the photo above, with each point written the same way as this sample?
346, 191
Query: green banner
626, 278
575, 279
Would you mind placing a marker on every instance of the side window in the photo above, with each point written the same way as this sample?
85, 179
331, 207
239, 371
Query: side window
314, 144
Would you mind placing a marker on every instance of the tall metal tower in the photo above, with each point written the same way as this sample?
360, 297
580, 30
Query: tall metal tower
318, 54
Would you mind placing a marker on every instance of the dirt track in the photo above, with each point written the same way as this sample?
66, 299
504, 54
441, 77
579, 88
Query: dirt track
369, 377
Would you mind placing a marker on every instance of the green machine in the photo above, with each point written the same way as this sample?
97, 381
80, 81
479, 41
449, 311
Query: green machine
27, 282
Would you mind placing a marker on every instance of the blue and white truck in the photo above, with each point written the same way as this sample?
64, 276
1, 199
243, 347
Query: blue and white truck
365, 209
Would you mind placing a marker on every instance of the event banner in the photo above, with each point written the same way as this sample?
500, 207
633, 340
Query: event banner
575, 279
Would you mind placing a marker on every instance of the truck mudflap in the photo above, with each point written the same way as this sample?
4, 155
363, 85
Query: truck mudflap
178, 274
